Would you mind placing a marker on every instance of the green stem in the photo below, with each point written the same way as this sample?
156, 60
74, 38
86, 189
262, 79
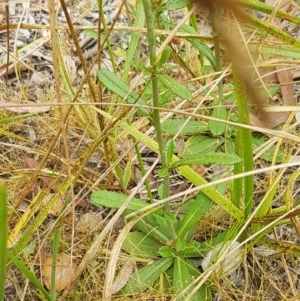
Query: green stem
215, 16
150, 22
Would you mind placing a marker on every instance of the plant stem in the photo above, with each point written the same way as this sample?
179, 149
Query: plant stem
150, 22
215, 16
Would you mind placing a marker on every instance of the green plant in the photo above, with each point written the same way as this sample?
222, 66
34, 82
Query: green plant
161, 236
170, 252
180, 100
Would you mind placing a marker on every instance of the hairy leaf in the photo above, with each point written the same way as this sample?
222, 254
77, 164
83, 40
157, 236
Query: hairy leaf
115, 200
210, 158
175, 86
198, 207
172, 127
140, 245
115, 84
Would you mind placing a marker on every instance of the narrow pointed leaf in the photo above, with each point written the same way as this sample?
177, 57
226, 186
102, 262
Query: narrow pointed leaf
210, 158
198, 207
203, 48
201, 143
176, 4
115, 200
172, 127
175, 86
115, 84
265, 8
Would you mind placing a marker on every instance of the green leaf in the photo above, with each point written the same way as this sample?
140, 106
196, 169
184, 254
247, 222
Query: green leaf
216, 127
146, 276
175, 86
193, 250
209, 158
198, 207
160, 191
166, 251
185, 171
172, 127
176, 4
170, 217
180, 244
282, 247
203, 48
165, 96
201, 144
283, 50
164, 56
204, 293
161, 221
141, 245
170, 149
91, 33
182, 278
115, 200
268, 155
268, 9
115, 84
163, 172
149, 227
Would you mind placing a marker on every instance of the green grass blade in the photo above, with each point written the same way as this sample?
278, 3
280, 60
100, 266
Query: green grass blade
41, 214
281, 50
265, 8
56, 239
29, 275
244, 138
3, 237
272, 30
